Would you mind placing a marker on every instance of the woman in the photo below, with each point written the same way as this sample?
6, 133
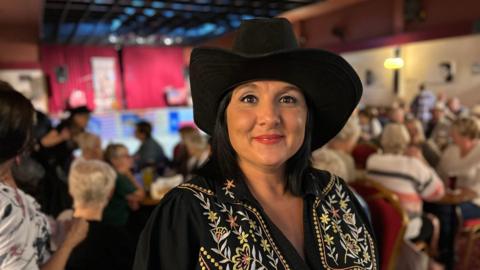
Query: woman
128, 193
198, 150
460, 164
55, 152
257, 203
25, 232
91, 184
409, 176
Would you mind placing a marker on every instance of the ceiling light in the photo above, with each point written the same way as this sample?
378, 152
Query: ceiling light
168, 41
112, 38
140, 40
393, 63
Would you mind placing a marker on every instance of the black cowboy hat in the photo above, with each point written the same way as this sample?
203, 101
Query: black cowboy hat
266, 49
78, 110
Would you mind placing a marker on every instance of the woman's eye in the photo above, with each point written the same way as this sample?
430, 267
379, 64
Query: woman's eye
288, 99
249, 99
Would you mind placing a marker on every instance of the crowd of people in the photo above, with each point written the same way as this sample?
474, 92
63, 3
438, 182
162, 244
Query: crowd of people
266, 188
427, 153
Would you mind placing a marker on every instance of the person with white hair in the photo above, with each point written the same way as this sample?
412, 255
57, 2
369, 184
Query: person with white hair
90, 145
198, 149
328, 160
344, 143
91, 184
409, 177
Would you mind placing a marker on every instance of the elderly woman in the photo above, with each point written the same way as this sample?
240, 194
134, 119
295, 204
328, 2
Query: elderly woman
460, 163
344, 143
409, 177
91, 184
91, 146
257, 203
25, 232
128, 193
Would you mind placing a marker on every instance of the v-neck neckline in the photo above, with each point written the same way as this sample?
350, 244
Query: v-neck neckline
286, 247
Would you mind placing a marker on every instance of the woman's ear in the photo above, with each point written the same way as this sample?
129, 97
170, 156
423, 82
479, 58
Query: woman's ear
18, 159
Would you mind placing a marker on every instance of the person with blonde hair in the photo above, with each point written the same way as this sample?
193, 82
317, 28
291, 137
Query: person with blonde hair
90, 145
410, 177
91, 184
198, 149
459, 166
460, 163
344, 143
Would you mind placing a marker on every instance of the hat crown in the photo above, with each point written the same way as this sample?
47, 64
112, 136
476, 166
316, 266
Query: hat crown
263, 36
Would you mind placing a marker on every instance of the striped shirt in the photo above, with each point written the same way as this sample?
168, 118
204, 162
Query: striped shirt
411, 179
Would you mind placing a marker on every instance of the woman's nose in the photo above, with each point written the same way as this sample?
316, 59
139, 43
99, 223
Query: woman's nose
268, 114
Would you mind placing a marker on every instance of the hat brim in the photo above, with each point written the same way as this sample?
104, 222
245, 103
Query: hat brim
326, 79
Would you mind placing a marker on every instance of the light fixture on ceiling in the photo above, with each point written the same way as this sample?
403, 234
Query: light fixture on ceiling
113, 38
394, 62
168, 41
140, 40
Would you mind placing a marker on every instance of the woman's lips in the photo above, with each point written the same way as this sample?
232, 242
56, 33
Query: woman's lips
268, 139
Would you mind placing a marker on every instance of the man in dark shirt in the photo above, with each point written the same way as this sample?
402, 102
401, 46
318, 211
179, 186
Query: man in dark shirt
150, 153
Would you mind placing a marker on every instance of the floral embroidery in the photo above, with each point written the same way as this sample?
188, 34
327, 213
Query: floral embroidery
241, 239
345, 241
245, 257
212, 216
232, 221
229, 184
242, 258
265, 245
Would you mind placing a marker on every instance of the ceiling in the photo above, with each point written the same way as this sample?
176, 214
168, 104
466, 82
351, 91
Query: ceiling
128, 22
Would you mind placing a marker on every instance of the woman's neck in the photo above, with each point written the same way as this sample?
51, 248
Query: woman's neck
6, 173
264, 182
89, 213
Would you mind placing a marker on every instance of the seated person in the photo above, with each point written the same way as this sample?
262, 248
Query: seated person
198, 150
180, 152
91, 183
26, 233
344, 143
128, 193
91, 146
460, 162
409, 177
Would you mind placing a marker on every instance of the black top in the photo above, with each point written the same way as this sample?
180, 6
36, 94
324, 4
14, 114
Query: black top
106, 247
206, 224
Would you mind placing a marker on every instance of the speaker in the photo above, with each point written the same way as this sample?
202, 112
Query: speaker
61, 74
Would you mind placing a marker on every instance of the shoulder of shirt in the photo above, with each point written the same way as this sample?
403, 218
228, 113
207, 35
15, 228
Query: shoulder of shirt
9, 209
199, 184
324, 181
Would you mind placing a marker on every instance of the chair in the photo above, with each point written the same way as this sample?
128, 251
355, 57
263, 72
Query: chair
361, 152
389, 220
468, 234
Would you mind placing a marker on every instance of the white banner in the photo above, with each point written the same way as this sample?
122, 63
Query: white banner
104, 80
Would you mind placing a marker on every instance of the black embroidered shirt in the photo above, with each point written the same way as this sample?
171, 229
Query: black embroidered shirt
205, 224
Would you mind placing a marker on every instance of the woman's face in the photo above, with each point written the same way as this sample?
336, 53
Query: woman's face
266, 123
123, 161
458, 139
81, 120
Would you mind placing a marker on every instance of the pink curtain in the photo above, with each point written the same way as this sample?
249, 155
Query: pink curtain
77, 60
148, 71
